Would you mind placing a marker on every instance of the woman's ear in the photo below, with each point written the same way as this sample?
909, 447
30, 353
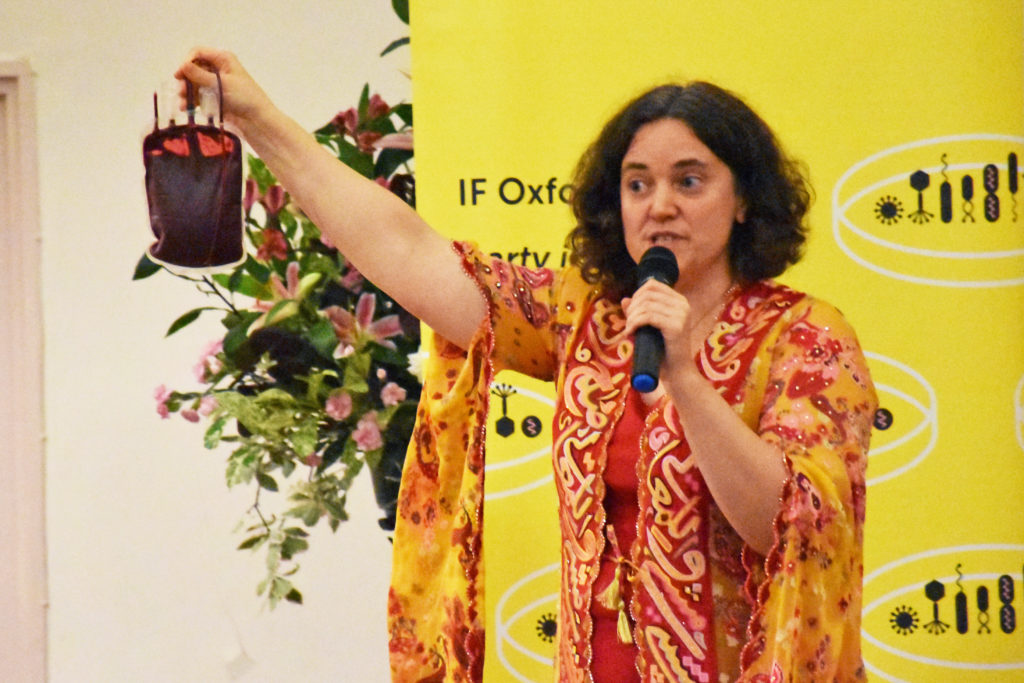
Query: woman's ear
741, 211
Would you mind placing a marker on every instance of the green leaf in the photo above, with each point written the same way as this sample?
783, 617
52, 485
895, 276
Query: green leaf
266, 481
241, 282
381, 124
259, 171
239, 332
287, 467
309, 513
325, 134
257, 269
145, 267
212, 437
280, 587
383, 354
266, 414
389, 160
323, 337
401, 8
186, 319
294, 596
364, 102
351, 156
288, 223
395, 44
404, 112
253, 542
304, 438
242, 465
293, 545
282, 310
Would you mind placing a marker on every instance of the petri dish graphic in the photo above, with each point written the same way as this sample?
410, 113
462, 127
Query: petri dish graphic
906, 425
944, 212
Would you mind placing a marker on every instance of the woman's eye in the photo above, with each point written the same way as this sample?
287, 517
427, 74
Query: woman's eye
635, 185
689, 181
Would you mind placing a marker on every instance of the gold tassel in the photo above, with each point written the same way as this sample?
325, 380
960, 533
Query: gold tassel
623, 630
611, 598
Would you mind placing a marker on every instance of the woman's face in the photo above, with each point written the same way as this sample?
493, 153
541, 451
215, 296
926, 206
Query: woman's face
677, 194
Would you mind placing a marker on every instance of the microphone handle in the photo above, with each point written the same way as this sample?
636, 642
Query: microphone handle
648, 352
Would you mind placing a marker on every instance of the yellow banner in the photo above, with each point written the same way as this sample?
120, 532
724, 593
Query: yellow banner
909, 116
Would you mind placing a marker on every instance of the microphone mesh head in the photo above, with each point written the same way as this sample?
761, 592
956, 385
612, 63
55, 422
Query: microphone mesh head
658, 263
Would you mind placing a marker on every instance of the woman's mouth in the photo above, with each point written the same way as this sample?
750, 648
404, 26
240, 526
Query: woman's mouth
663, 239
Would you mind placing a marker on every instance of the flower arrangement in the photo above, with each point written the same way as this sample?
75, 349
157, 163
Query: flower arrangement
316, 375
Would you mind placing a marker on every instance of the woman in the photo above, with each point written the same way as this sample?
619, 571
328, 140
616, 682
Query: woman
712, 529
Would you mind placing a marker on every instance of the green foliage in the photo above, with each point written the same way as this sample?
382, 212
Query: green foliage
310, 382
401, 8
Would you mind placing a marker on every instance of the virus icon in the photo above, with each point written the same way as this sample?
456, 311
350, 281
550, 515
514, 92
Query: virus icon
888, 209
904, 620
883, 419
547, 627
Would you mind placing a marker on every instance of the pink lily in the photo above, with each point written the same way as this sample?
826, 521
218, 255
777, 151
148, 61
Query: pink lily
395, 141
359, 328
274, 200
347, 121
352, 280
252, 194
367, 140
376, 107
274, 245
291, 276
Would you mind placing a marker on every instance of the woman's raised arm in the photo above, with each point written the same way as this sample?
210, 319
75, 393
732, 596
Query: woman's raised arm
379, 233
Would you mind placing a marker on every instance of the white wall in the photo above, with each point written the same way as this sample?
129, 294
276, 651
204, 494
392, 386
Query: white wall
144, 581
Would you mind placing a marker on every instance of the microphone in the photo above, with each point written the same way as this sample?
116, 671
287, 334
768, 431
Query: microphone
649, 346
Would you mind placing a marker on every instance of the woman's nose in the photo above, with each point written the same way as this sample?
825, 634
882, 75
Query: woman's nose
663, 204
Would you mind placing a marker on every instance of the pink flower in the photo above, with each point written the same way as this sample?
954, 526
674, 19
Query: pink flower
376, 107
252, 194
274, 245
367, 139
161, 395
395, 141
209, 364
289, 289
367, 433
392, 394
347, 121
352, 280
327, 241
339, 405
274, 200
190, 415
361, 326
207, 405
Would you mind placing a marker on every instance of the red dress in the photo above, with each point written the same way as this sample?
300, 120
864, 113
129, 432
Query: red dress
614, 661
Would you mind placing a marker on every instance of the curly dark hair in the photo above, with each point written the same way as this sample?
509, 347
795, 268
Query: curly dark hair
773, 188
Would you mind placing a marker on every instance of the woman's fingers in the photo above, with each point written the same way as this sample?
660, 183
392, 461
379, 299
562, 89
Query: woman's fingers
241, 95
202, 62
656, 305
